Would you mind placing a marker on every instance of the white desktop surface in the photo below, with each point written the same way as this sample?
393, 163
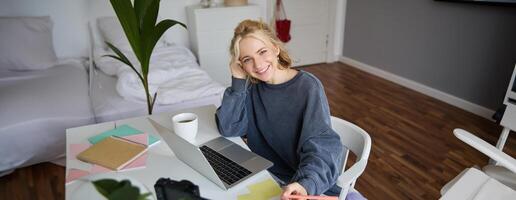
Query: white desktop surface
161, 161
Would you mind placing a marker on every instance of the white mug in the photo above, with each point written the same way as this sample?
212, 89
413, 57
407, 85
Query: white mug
185, 126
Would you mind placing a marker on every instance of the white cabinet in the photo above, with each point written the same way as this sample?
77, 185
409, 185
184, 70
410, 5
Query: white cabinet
211, 30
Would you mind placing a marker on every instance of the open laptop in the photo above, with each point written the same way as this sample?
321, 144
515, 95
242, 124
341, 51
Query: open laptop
220, 160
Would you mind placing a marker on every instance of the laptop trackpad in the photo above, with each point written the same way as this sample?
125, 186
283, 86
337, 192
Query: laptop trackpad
236, 153
219, 143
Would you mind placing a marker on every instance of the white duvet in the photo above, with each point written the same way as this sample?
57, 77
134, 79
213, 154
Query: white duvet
174, 74
36, 107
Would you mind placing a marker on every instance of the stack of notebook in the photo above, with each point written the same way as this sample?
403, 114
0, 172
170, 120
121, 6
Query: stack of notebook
116, 148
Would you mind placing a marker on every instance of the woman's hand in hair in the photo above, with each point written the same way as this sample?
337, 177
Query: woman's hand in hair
236, 69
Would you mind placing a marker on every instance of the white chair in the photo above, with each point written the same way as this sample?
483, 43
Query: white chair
357, 141
508, 121
494, 183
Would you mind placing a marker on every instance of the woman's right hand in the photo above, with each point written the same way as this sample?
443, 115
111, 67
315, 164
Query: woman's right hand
236, 69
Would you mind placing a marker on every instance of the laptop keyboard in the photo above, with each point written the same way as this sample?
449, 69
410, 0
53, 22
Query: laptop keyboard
227, 170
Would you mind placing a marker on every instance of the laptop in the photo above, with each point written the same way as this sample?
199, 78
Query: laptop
221, 161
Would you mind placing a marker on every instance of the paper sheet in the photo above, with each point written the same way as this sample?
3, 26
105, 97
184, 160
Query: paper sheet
74, 174
262, 191
75, 149
138, 138
122, 131
250, 197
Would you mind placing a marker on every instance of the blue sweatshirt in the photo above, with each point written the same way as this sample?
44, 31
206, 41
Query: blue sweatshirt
288, 124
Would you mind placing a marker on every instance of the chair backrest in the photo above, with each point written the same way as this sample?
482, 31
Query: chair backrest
353, 138
356, 140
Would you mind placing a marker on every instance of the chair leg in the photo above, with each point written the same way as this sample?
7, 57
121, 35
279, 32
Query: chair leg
344, 192
501, 142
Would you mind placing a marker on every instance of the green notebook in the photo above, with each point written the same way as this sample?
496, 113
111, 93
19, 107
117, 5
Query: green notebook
121, 131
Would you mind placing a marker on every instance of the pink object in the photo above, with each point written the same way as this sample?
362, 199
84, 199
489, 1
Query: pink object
75, 149
74, 174
99, 169
312, 197
138, 138
137, 163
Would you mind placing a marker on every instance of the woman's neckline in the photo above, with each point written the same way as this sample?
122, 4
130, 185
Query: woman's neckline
288, 82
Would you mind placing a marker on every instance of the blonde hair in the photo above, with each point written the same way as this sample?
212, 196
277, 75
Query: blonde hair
262, 32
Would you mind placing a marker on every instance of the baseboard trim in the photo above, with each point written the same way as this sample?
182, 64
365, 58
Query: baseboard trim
448, 98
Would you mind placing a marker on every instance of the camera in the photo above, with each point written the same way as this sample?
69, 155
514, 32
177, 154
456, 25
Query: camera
167, 189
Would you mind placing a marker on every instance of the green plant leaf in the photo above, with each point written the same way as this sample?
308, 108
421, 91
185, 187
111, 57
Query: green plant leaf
124, 183
121, 55
105, 186
144, 196
140, 8
148, 20
127, 16
154, 100
126, 192
122, 58
142, 32
149, 41
148, 23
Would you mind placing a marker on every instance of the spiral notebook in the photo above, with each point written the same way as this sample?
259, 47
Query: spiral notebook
113, 152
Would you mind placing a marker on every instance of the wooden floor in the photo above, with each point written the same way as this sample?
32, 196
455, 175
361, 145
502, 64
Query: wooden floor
414, 152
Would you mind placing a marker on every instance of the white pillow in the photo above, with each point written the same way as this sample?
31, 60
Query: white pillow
112, 32
26, 43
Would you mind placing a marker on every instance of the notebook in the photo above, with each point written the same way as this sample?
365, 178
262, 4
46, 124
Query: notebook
113, 152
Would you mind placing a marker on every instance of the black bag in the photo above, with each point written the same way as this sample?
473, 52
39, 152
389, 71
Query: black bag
167, 189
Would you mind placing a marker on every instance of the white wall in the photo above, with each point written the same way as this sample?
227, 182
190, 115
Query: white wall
70, 38
464, 50
70, 17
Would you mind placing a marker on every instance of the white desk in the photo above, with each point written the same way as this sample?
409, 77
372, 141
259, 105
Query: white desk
161, 161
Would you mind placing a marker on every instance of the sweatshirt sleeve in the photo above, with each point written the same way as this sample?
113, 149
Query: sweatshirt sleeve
320, 149
231, 116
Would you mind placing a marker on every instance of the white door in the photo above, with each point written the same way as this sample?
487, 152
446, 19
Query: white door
309, 30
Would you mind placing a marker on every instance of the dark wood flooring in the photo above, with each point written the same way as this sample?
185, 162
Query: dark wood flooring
414, 152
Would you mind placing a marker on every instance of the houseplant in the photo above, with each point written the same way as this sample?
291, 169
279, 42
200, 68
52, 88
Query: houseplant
119, 190
140, 28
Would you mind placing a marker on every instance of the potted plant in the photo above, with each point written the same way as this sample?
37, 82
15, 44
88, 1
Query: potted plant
140, 28
119, 190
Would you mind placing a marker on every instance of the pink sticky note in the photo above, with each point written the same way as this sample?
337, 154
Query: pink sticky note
139, 138
75, 149
99, 169
74, 174
138, 162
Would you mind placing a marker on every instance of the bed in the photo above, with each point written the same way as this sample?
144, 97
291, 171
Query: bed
42, 94
36, 109
108, 105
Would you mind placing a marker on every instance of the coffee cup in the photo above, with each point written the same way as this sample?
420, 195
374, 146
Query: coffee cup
185, 126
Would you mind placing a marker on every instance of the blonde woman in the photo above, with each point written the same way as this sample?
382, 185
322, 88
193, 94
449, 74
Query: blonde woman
283, 113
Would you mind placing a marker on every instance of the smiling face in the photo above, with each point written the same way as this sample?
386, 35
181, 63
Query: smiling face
259, 60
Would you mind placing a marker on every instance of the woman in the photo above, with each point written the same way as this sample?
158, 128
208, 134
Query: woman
283, 112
